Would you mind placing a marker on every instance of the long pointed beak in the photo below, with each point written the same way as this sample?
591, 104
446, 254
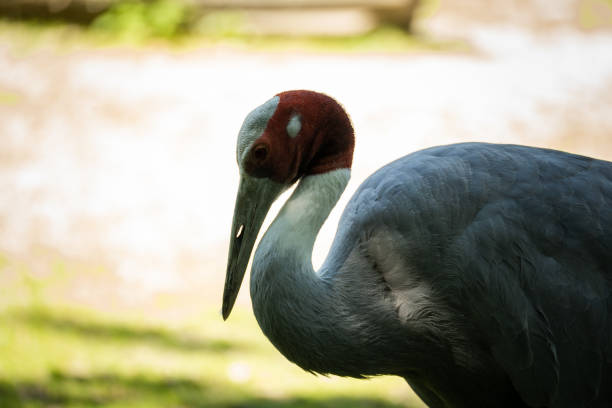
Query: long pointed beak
254, 199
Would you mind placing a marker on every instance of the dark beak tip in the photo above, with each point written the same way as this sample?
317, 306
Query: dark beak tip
228, 304
225, 312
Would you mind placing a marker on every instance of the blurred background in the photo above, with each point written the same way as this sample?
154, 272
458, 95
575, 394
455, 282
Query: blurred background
118, 122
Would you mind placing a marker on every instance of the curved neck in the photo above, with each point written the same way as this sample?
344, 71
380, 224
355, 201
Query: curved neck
293, 306
296, 226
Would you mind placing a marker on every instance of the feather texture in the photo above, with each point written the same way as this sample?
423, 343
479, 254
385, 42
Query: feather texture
479, 272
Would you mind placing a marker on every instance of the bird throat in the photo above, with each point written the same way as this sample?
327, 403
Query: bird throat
290, 300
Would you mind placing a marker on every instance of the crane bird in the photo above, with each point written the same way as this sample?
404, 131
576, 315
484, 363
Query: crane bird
480, 273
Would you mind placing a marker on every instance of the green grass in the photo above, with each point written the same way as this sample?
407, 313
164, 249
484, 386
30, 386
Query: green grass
58, 353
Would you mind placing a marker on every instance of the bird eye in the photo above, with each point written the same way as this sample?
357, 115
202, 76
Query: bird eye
260, 152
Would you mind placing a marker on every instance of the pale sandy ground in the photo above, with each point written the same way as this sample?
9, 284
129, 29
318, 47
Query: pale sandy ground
126, 158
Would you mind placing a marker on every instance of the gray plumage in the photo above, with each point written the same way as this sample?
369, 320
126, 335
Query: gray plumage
480, 273
515, 246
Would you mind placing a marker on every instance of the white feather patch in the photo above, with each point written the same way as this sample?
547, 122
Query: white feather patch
294, 126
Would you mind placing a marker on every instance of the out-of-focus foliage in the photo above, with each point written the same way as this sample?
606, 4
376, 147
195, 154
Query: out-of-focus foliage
139, 20
228, 23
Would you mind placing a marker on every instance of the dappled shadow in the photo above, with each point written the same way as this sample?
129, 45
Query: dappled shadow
62, 389
123, 331
334, 402
68, 390
9, 398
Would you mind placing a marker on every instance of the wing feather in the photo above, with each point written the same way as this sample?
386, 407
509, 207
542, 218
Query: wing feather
518, 242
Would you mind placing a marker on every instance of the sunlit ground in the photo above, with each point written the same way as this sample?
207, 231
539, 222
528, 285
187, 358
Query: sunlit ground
118, 178
54, 352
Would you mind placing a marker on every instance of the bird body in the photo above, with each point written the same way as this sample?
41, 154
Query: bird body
480, 273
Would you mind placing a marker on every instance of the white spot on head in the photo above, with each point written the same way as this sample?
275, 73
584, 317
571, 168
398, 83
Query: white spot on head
254, 125
294, 126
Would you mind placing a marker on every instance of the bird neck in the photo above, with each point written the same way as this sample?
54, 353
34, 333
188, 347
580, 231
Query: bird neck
295, 228
291, 302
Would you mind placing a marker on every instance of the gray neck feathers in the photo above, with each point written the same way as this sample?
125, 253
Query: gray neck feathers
292, 304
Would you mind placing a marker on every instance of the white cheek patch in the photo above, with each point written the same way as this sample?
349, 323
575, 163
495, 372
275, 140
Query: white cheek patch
294, 126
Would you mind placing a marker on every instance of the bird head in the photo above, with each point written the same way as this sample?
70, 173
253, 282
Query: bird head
292, 135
